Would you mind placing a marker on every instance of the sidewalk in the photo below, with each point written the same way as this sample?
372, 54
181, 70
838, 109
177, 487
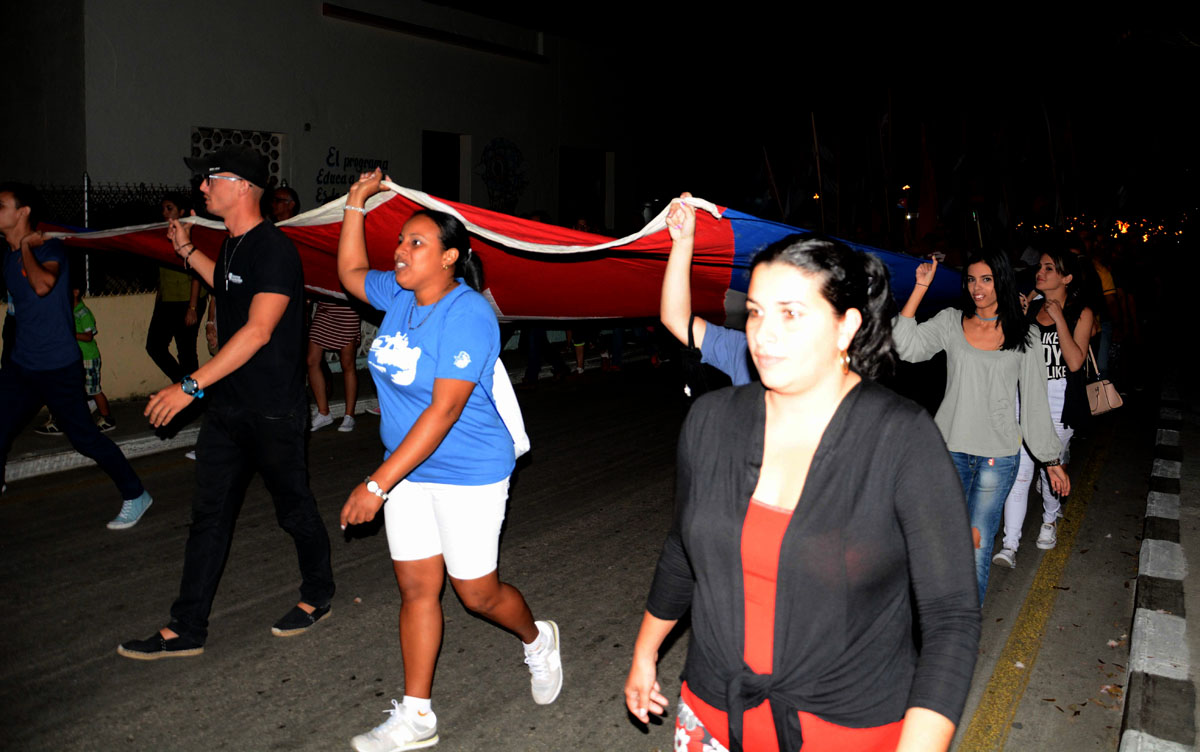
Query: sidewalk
33, 455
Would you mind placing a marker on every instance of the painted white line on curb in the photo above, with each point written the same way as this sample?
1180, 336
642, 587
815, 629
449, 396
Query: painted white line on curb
1159, 504
1167, 437
1158, 646
1163, 559
1166, 469
1137, 741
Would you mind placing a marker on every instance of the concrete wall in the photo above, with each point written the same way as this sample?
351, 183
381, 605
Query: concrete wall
338, 90
122, 322
43, 94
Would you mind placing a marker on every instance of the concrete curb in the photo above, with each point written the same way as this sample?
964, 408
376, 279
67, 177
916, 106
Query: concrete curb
137, 445
1160, 699
146, 443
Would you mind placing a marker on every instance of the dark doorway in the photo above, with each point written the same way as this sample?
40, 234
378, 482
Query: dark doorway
439, 164
581, 179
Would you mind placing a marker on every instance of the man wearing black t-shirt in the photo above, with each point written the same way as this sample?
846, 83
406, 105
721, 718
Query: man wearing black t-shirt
258, 415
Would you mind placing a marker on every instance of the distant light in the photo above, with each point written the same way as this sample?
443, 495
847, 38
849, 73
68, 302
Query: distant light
906, 187
908, 216
816, 197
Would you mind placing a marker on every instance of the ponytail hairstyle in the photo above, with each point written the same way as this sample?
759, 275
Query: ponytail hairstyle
453, 234
849, 279
1012, 319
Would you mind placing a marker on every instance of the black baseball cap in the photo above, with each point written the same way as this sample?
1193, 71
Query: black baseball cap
243, 161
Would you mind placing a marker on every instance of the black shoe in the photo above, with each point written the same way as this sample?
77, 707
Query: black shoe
156, 646
298, 620
50, 429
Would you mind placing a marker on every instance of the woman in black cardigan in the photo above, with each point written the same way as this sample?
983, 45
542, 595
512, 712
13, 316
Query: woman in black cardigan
813, 509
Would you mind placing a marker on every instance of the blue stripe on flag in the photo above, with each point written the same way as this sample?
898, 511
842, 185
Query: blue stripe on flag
751, 235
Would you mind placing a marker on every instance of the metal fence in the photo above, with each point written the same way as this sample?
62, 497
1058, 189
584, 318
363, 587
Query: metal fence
103, 206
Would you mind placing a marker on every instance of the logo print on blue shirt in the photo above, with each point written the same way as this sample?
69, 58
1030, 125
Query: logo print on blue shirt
394, 351
462, 360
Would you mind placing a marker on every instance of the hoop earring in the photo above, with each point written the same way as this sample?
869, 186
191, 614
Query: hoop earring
845, 358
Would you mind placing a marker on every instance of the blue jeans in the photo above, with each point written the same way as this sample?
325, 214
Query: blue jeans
986, 482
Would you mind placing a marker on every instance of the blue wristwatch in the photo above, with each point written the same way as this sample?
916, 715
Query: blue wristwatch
190, 387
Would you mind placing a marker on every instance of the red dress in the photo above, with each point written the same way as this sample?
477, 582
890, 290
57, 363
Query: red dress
762, 538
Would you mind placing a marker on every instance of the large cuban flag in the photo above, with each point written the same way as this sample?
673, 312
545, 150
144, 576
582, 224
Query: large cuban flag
534, 270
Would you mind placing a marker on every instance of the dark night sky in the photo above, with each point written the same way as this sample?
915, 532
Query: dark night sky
1022, 121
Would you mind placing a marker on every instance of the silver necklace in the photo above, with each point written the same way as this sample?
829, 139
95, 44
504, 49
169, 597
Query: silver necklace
431, 310
229, 256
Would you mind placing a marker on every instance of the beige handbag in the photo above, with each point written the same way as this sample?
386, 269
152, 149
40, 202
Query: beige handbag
1102, 395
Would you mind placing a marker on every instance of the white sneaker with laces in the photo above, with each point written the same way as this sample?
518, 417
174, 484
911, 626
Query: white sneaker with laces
1047, 536
321, 420
404, 729
347, 424
1007, 557
545, 665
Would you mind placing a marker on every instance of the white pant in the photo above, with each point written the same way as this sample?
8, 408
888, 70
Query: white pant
1018, 498
462, 523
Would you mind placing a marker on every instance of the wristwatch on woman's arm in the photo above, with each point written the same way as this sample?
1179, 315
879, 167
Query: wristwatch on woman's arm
375, 488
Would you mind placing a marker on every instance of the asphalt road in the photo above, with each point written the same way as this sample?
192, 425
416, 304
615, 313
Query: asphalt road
588, 512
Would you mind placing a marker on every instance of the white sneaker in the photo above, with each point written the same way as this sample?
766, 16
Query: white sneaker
321, 420
347, 424
545, 665
373, 410
403, 730
1007, 557
1047, 536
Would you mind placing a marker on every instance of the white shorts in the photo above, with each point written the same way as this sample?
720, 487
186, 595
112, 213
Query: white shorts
462, 523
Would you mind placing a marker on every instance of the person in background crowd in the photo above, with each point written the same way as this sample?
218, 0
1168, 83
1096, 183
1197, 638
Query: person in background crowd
815, 510
1064, 327
177, 306
722, 348
285, 203
85, 334
1112, 318
991, 352
337, 327
45, 368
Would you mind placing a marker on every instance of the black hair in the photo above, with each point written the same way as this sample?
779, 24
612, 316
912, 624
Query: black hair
182, 202
24, 195
453, 234
1008, 303
849, 279
1067, 263
291, 192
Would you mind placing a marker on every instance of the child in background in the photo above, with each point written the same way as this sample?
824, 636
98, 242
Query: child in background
85, 333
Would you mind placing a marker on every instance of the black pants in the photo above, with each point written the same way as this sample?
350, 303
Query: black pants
23, 392
166, 324
233, 445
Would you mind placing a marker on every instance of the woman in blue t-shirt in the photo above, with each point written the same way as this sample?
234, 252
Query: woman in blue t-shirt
448, 453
